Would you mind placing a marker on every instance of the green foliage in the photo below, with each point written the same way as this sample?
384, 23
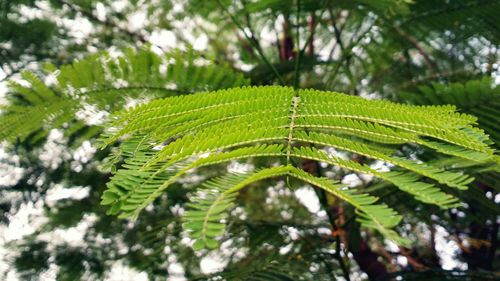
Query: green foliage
172, 136
478, 97
104, 82
376, 48
209, 207
470, 17
268, 271
34, 34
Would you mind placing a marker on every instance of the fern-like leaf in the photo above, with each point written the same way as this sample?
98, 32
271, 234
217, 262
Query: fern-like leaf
187, 132
209, 208
375, 216
212, 202
104, 83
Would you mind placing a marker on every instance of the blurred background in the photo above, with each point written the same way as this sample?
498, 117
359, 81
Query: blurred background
423, 52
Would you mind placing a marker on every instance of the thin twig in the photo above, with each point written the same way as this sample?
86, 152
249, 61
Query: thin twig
346, 56
412, 40
324, 202
297, 43
249, 25
252, 42
335, 228
310, 38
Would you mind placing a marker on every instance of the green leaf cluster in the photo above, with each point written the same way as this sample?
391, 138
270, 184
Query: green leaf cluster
168, 138
104, 82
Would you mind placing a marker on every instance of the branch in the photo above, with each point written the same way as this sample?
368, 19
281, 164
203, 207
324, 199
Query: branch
314, 25
299, 53
253, 42
427, 59
313, 167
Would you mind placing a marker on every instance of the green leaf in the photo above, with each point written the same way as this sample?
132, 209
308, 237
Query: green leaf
278, 122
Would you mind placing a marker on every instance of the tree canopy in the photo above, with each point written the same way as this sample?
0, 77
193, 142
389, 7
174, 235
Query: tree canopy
249, 140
